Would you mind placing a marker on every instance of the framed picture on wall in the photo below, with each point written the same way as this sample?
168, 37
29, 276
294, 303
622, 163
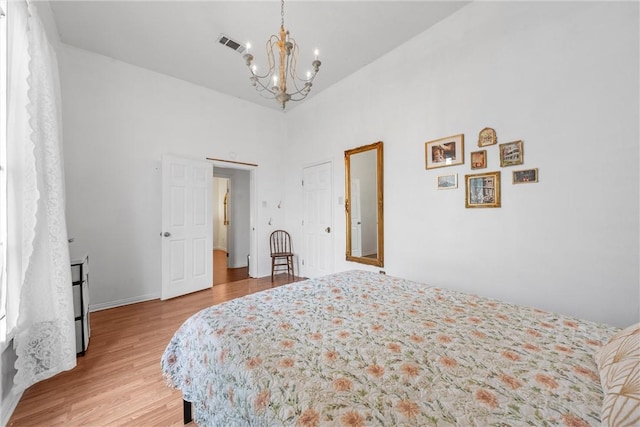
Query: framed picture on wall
487, 136
511, 153
525, 176
483, 190
447, 151
448, 182
479, 159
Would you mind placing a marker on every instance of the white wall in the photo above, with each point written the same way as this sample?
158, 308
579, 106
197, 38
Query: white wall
561, 76
118, 121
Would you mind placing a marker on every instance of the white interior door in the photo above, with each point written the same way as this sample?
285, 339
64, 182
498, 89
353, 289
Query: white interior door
318, 243
187, 226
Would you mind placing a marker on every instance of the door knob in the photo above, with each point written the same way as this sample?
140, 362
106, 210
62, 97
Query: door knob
328, 229
166, 234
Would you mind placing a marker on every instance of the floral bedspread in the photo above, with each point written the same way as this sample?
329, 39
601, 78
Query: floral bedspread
364, 349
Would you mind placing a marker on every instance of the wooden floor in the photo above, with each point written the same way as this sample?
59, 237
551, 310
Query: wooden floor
118, 382
222, 274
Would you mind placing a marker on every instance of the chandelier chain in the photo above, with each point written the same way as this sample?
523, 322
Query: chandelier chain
282, 13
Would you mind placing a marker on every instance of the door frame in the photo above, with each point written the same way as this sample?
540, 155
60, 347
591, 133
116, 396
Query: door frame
253, 237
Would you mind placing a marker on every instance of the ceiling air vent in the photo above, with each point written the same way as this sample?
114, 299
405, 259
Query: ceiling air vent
231, 44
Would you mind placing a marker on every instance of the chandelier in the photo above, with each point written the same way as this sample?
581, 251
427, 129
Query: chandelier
282, 83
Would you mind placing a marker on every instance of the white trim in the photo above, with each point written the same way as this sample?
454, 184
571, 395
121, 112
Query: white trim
9, 405
253, 209
123, 302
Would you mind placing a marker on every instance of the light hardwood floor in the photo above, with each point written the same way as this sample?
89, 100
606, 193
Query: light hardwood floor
222, 274
119, 381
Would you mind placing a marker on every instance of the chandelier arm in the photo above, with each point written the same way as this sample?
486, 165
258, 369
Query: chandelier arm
271, 60
270, 71
299, 90
296, 79
260, 84
261, 77
295, 53
292, 64
266, 76
294, 73
293, 58
302, 91
270, 96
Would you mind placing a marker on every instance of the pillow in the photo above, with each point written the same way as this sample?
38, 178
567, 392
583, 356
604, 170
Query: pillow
619, 368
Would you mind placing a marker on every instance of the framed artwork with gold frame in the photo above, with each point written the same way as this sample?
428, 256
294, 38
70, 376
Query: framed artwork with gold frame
511, 153
482, 190
447, 151
525, 176
487, 136
479, 159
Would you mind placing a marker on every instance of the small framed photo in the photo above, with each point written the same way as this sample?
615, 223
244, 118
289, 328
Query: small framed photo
447, 151
483, 190
511, 154
525, 176
487, 136
479, 159
448, 182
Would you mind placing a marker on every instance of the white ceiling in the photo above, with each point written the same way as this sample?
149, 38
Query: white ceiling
179, 38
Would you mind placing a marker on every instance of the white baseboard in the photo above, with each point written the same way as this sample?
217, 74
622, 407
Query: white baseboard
220, 248
8, 406
238, 265
120, 303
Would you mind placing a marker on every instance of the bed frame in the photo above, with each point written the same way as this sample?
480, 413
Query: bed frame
186, 412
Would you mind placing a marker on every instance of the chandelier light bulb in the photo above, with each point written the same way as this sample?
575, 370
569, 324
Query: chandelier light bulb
316, 53
248, 47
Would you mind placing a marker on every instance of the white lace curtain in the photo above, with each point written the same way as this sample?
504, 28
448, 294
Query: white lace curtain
45, 334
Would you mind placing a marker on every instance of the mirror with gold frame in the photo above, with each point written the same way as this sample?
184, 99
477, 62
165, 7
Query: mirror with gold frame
364, 204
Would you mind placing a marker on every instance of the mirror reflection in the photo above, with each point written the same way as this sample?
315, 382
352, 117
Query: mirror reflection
363, 205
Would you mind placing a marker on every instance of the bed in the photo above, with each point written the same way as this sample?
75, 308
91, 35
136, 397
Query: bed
364, 349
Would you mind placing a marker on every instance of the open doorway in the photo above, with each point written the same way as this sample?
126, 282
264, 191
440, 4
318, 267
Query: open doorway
231, 225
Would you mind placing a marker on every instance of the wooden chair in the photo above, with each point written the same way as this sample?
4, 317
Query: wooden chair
281, 255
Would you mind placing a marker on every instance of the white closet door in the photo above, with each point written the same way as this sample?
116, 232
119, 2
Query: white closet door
318, 240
